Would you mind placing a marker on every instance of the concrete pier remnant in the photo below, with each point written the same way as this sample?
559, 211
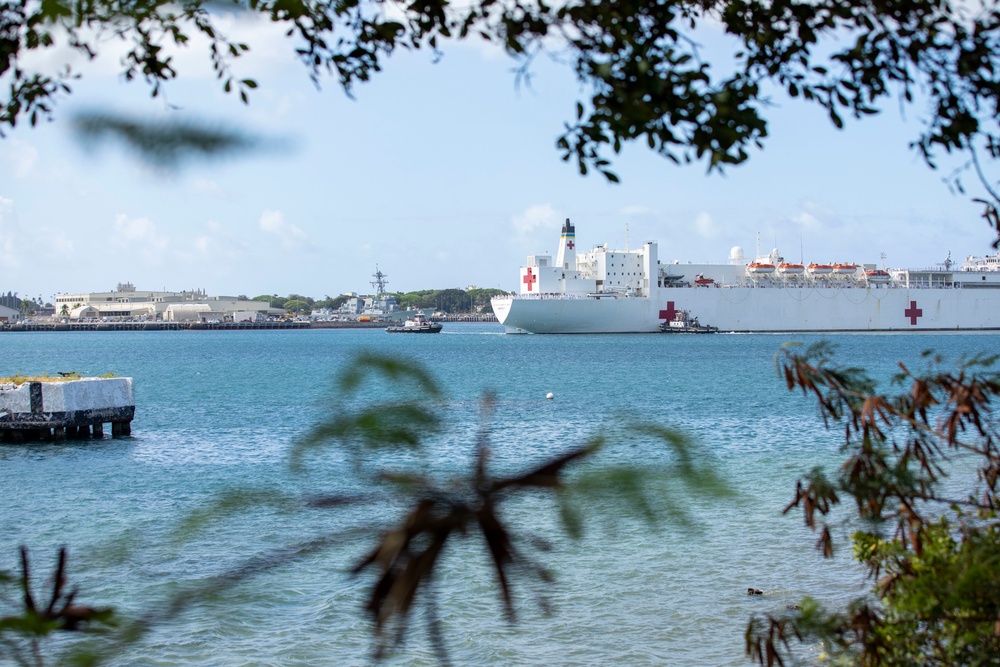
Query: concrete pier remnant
63, 409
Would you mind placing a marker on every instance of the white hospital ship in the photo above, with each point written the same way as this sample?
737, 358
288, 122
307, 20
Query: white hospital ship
630, 291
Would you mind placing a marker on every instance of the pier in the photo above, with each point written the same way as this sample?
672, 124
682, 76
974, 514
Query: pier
59, 409
286, 325
150, 326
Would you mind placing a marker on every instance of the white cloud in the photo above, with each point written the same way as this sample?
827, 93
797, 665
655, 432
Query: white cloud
140, 237
292, 238
10, 235
705, 226
286, 105
636, 210
806, 220
265, 38
60, 246
18, 245
218, 243
130, 230
814, 216
205, 186
535, 218
271, 222
22, 155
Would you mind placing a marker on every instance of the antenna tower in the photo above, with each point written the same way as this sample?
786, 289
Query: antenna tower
380, 282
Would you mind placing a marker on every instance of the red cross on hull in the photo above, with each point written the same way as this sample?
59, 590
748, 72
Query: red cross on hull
669, 313
913, 312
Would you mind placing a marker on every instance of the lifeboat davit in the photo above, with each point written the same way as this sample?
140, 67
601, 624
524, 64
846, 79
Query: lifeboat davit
877, 276
844, 269
820, 269
791, 269
760, 268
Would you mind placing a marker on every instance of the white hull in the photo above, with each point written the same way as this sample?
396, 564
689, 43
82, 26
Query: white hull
751, 309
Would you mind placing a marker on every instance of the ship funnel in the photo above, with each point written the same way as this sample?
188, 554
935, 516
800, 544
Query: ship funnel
567, 247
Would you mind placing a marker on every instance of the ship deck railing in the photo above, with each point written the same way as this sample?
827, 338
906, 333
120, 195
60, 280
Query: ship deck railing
760, 284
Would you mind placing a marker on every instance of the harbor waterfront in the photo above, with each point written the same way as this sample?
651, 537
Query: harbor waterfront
151, 326
217, 411
281, 325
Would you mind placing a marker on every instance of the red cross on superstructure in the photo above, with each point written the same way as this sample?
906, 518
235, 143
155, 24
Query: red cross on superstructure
669, 313
570, 245
529, 279
913, 312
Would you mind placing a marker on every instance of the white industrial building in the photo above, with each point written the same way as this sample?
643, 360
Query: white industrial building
9, 314
188, 306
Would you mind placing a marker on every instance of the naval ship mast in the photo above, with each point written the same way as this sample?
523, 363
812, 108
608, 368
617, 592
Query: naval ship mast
379, 283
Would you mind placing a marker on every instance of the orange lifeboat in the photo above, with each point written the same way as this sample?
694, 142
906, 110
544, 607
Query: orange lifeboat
877, 276
844, 269
702, 281
791, 269
820, 269
760, 268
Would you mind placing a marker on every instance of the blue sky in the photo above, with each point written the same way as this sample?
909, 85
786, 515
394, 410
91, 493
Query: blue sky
444, 175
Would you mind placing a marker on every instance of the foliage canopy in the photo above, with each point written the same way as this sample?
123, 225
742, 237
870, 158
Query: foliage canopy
922, 469
639, 62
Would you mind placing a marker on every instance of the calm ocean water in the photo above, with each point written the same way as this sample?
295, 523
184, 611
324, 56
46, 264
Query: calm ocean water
217, 411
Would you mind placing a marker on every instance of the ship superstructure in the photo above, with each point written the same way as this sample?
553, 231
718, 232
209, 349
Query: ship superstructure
381, 306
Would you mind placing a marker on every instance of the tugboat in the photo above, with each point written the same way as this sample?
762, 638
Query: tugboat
416, 324
683, 322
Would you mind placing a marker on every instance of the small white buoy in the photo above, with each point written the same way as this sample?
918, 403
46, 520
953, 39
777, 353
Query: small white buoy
549, 395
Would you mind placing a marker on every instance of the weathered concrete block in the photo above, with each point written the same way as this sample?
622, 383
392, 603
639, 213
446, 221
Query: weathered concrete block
87, 394
58, 406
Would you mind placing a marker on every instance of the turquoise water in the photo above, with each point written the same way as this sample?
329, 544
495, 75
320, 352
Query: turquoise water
217, 411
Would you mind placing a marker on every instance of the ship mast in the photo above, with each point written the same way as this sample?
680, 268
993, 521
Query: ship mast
379, 283
567, 247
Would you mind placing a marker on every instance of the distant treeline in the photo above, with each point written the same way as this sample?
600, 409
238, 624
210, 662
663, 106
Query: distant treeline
27, 306
450, 301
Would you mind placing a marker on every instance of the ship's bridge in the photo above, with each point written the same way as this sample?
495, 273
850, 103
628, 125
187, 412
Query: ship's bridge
599, 270
975, 273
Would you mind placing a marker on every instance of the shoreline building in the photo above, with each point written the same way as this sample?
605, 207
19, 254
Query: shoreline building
9, 314
126, 302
